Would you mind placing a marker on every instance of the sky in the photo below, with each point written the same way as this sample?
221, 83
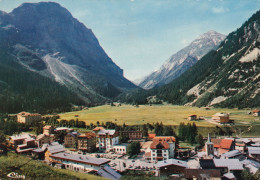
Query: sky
140, 35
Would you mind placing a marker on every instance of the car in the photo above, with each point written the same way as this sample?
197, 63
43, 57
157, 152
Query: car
133, 160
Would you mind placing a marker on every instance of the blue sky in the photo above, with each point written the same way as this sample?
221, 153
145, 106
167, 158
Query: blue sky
140, 35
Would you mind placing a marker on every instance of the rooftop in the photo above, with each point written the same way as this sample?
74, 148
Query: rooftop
231, 164
221, 114
108, 131
28, 114
232, 154
88, 135
81, 159
222, 143
109, 173
98, 128
253, 150
172, 162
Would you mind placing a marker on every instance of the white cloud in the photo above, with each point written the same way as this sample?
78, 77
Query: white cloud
218, 10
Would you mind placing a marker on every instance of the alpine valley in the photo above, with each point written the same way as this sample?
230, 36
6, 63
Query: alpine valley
182, 60
226, 77
50, 60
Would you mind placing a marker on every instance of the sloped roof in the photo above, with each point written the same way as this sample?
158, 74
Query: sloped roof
53, 147
28, 114
167, 138
253, 150
63, 129
98, 128
107, 131
229, 176
47, 127
20, 137
221, 115
222, 143
109, 173
232, 153
231, 164
88, 135
157, 142
151, 135
80, 159
169, 162
256, 111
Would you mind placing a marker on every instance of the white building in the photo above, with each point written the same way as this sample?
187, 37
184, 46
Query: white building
162, 148
107, 139
120, 148
80, 163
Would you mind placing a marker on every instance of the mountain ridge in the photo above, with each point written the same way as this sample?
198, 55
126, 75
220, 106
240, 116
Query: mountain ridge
179, 62
45, 38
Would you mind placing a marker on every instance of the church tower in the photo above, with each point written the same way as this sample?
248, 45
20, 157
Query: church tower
209, 147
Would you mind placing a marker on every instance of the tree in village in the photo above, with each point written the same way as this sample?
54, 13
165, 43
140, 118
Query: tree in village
168, 131
181, 131
123, 138
145, 130
158, 129
133, 149
2, 137
188, 132
199, 140
38, 128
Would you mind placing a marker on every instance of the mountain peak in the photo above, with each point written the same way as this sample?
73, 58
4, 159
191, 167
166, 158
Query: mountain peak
183, 60
43, 9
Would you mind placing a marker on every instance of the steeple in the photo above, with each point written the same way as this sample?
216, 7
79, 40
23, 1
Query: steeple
209, 139
209, 146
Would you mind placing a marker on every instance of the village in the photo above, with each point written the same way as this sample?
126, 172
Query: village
102, 151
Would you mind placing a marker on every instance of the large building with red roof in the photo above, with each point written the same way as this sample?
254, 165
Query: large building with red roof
162, 148
222, 146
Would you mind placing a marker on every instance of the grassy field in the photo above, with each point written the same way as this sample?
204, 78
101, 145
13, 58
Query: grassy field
168, 114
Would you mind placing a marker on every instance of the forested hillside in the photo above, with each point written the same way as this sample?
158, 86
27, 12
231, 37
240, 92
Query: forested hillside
21, 89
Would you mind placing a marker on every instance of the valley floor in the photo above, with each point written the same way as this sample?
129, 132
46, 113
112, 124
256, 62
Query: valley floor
167, 114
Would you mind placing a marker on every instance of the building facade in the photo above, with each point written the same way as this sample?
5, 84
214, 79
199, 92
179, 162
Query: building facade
120, 148
79, 163
221, 117
71, 140
28, 118
107, 139
162, 148
48, 130
133, 135
192, 117
87, 142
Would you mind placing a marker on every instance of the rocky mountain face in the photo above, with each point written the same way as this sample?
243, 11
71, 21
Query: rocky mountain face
46, 39
226, 77
182, 60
